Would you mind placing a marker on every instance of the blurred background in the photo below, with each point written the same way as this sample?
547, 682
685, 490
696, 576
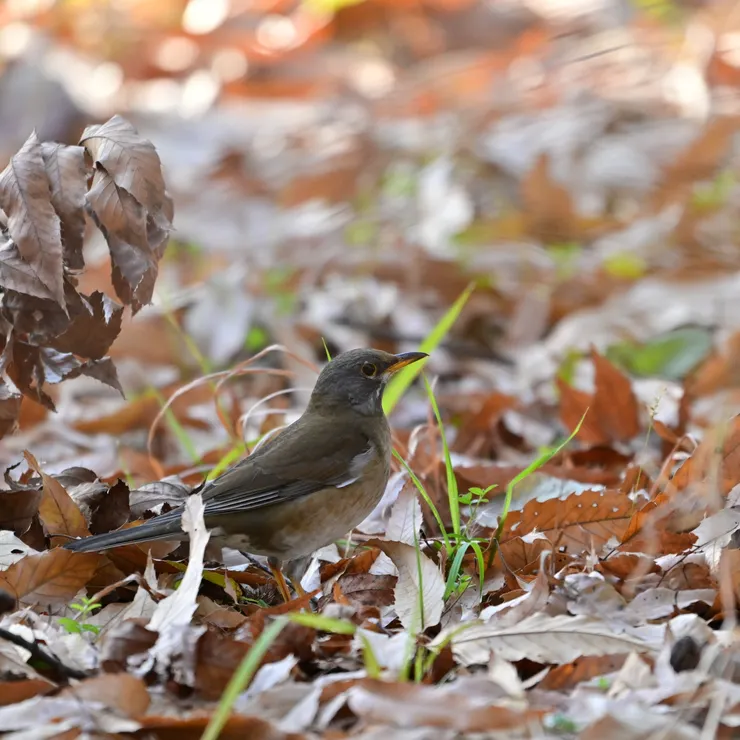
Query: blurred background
343, 169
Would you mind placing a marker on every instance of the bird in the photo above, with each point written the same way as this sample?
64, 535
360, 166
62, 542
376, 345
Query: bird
309, 486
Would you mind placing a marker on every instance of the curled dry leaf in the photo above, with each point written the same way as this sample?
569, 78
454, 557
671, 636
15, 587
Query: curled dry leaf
67, 173
59, 514
49, 327
541, 638
419, 591
130, 206
33, 225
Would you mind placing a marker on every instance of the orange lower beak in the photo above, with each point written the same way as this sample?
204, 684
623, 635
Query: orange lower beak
403, 359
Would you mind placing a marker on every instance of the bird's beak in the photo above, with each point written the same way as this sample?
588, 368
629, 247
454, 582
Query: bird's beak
403, 359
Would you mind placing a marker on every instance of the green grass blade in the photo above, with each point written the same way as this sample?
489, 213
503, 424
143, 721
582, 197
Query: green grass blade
462, 548
372, 666
400, 382
481, 564
322, 623
241, 678
452, 492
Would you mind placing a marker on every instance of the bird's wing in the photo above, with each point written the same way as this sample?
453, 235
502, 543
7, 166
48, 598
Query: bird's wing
284, 469
288, 468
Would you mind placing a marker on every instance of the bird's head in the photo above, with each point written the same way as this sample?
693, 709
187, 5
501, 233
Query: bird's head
356, 380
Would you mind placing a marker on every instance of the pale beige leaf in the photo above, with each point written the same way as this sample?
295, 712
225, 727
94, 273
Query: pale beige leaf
179, 607
542, 638
405, 518
419, 591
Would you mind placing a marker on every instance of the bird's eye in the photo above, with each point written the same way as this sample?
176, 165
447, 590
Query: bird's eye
369, 370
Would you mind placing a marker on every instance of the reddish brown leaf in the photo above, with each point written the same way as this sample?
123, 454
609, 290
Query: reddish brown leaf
579, 522
714, 468
614, 402
573, 405
59, 514
13, 692
565, 677
237, 727
51, 577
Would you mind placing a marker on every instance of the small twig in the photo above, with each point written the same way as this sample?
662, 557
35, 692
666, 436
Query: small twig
61, 672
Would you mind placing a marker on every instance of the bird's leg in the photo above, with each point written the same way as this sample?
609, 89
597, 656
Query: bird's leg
277, 574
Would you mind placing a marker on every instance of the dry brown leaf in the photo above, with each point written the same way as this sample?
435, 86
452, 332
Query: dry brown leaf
59, 514
67, 173
573, 405
129, 205
360, 590
18, 508
16, 691
698, 161
33, 226
714, 468
614, 405
578, 522
547, 205
128, 158
564, 677
522, 556
94, 327
191, 727
219, 616
119, 691
51, 577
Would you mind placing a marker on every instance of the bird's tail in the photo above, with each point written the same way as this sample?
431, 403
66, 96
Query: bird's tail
147, 532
